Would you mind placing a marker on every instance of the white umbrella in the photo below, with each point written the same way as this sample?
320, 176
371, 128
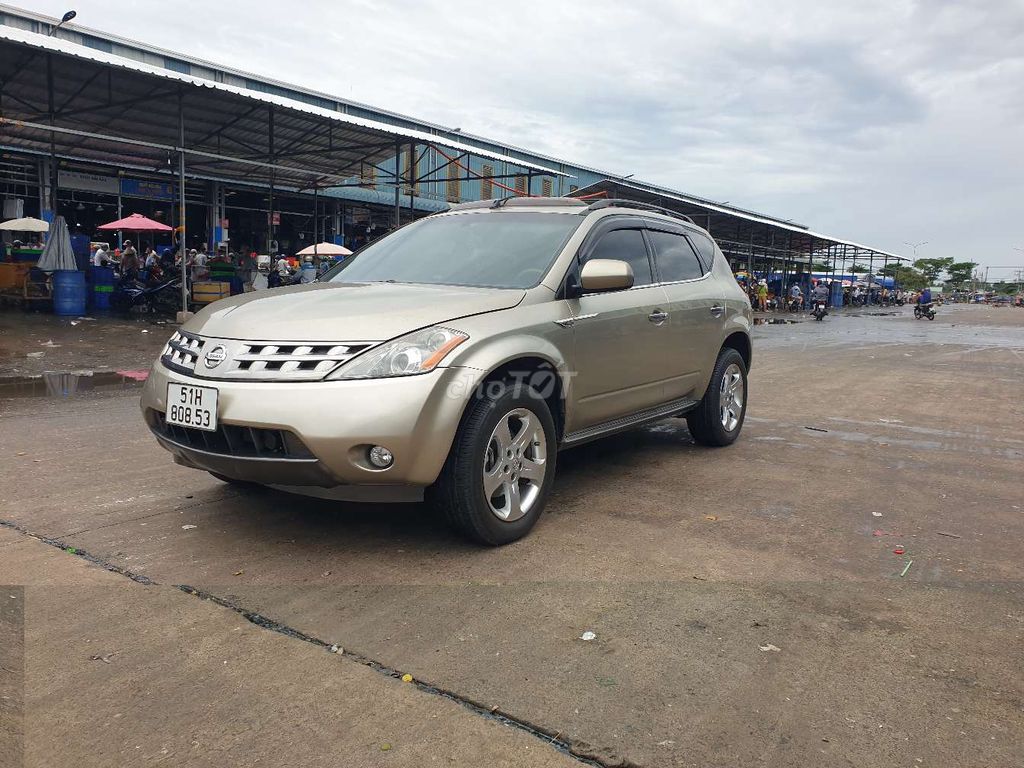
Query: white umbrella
26, 224
324, 249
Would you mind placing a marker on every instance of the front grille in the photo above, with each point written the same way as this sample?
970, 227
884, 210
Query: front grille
233, 440
292, 362
234, 360
182, 352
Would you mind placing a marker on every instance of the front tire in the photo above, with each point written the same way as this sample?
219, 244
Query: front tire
495, 482
718, 418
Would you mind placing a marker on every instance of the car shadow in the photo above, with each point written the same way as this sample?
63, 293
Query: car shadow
262, 516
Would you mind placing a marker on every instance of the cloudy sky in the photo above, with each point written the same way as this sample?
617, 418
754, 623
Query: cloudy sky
881, 121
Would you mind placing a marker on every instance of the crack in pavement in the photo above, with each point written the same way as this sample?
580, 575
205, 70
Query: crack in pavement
579, 751
549, 736
105, 564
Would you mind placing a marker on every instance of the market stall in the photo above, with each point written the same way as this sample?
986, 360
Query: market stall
18, 258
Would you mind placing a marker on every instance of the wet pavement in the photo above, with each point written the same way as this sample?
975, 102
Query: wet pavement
33, 343
840, 587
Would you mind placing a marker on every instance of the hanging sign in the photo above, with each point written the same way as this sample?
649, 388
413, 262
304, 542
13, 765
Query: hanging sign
87, 182
151, 190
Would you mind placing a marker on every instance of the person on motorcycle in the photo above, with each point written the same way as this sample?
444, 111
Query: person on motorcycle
820, 292
925, 297
284, 269
796, 296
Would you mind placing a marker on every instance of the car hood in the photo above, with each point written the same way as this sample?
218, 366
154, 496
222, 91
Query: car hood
344, 311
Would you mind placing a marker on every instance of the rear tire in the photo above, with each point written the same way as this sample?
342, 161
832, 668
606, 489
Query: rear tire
718, 419
496, 479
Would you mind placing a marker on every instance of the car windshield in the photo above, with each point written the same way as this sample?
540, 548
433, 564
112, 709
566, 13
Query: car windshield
494, 250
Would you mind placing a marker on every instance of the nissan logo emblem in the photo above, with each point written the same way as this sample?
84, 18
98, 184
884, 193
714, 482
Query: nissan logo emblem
216, 356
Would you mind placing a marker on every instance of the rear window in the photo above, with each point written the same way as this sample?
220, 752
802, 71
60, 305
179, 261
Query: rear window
675, 257
705, 249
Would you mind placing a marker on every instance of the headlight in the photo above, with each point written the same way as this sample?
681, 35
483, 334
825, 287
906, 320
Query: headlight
419, 352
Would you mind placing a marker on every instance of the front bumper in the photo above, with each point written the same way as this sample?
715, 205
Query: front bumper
327, 428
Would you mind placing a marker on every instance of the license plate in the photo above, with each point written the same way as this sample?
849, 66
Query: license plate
189, 406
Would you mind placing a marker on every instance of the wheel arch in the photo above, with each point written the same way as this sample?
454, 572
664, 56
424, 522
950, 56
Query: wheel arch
740, 341
540, 373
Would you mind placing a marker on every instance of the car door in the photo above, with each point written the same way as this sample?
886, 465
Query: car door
620, 337
694, 312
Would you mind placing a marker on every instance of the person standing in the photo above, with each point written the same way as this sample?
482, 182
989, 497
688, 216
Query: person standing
762, 295
130, 264
99, 256
198, 263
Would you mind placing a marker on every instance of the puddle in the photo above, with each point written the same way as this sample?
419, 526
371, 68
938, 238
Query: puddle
70, 384
774, 321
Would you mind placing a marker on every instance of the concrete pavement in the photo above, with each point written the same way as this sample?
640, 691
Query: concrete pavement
747, 602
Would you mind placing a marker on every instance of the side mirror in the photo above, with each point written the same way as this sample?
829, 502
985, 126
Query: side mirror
606, 275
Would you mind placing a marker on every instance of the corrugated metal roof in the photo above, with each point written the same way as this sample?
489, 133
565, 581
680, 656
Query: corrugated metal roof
666, 195
56, 45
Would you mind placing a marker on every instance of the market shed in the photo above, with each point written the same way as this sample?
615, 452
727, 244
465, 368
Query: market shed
68, 101
752, 241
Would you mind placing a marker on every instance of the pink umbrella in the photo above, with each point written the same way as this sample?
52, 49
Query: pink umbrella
135, 223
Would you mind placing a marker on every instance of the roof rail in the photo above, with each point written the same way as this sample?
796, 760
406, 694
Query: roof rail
623, 203
520, 202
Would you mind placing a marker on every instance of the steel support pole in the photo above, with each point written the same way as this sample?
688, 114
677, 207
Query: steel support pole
53, 135
750, 253
398, 185
316, 226
181, 200
844, 270
270, 207
412, 179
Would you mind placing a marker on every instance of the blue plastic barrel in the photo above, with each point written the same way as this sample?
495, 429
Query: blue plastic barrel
69, 292
102, 287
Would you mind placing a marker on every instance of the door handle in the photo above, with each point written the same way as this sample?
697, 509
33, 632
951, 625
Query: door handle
717, 310
658, 316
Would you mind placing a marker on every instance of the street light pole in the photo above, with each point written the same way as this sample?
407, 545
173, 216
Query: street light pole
915, 246
63, 20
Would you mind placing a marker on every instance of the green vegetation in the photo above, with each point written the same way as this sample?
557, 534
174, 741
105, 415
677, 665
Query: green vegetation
907, 278
932, 268
960, 272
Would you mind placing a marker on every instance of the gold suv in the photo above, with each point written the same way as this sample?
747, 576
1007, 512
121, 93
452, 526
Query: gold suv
456, 356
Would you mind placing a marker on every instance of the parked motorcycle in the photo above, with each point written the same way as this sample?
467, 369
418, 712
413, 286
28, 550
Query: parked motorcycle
922, 311
820, 309
159, 296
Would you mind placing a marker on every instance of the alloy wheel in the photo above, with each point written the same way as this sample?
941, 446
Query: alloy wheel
730, 400
514, 464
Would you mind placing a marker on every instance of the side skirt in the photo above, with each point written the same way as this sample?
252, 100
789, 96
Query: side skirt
623, 423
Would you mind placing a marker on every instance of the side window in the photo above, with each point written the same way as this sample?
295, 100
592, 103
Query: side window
626, 245
705, 249
676, 259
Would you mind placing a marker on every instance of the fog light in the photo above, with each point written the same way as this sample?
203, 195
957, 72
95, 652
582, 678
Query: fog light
381, 457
